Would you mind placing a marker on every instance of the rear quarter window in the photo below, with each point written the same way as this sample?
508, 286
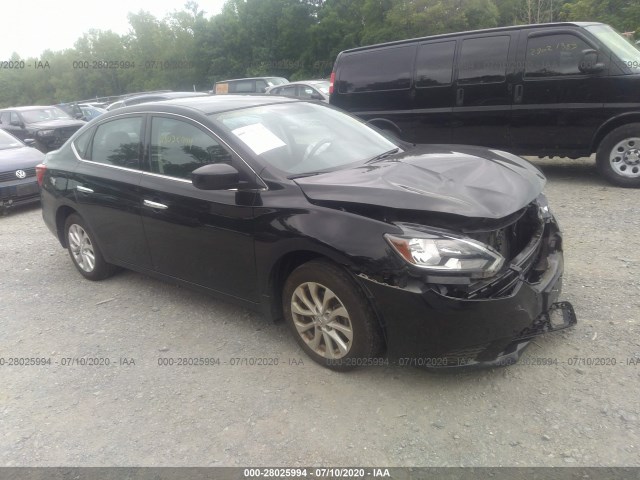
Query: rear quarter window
377, 70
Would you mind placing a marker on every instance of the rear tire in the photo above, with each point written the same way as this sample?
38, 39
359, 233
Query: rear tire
84, 251
618, 156
330, 317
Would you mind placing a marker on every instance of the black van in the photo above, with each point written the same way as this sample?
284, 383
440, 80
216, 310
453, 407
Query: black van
557, 89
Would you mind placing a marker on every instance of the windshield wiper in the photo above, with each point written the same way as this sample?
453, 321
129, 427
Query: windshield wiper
383, 155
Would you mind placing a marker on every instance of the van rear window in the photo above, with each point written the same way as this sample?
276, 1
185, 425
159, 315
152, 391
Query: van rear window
375, 70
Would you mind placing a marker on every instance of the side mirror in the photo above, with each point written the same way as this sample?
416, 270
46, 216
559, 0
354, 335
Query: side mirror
316, 96
589, 62
29, 142
16, 123
216, 176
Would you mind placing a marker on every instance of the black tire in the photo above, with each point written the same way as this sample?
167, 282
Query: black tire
336, 289
82, 247
618, 156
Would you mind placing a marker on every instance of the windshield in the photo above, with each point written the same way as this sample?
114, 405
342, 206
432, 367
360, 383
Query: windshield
323, 87
44, 114
620, 46
276, 81
8, 141
303, 138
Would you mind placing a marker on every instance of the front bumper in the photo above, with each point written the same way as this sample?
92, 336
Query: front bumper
425, 327
19, 193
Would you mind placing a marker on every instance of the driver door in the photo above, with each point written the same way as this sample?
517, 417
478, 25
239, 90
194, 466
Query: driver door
204, 237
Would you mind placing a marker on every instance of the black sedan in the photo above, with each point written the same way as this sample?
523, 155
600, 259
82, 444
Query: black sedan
18, 162
440, 255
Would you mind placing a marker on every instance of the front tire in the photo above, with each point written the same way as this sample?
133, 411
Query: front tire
329, 316
618, 156
84, 251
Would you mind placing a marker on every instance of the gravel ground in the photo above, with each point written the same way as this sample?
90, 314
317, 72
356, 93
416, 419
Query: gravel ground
137, 413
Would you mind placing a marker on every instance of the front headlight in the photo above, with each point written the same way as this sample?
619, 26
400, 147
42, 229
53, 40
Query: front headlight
45, 133
445, 253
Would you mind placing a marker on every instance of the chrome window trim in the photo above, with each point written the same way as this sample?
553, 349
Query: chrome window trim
73, 143
144, 172
218, 139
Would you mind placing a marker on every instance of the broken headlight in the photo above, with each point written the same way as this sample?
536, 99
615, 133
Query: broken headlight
445, 253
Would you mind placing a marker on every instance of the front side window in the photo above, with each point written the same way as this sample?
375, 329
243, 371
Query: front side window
375, 70
288, 91
434, 64
305, 91
118, 143
178, 148
554, 55
14, 119
483, 60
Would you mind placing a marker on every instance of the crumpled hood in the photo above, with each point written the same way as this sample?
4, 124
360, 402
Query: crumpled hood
457, 179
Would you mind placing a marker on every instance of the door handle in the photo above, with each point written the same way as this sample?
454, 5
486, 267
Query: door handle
517, 96
156, 205
82, 189
460, 97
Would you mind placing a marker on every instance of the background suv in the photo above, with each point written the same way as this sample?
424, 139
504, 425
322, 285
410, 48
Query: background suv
49, 127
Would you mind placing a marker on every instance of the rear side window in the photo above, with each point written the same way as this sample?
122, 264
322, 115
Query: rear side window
434, 64
483, 60
244, 86
4, 118
81, 143
375, 70
118, 143
554, 55
178, 148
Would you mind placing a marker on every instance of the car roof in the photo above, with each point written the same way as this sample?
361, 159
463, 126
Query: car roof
33, 107
248, 78
211, 104
303, 82
486, 30
165, 95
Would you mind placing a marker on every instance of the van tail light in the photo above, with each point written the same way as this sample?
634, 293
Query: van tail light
40, 169
333, 78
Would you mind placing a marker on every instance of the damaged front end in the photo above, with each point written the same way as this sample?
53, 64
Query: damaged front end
474, 297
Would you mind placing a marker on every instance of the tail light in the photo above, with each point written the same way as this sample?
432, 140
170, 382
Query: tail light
333, 78
40, 169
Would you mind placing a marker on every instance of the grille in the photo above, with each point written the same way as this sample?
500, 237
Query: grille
9, 176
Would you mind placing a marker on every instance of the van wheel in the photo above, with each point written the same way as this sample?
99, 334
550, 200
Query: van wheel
329, 316
618, 156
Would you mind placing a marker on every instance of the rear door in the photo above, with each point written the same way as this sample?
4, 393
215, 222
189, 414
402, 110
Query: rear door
483, 89
557, 108
201, 236
106, 187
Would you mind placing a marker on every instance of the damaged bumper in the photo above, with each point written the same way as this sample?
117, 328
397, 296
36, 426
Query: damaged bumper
426, 326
